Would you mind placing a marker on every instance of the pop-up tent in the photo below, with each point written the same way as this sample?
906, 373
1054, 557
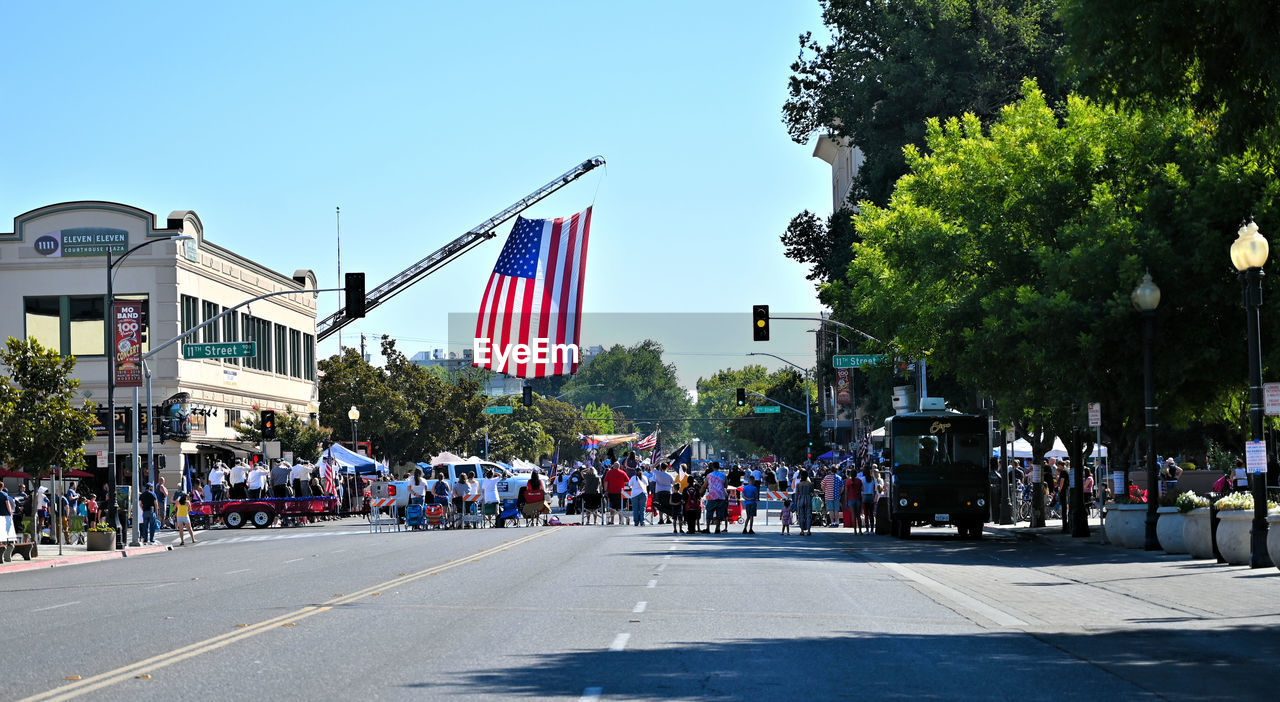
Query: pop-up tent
348, 460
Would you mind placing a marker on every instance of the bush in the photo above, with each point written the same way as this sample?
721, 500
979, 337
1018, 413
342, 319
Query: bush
1187, 466
1238, 501
1189, 500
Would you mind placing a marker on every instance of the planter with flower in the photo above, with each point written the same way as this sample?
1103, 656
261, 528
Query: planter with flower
1126, 524
100, 537
1173, 511
1235, 522
1197, 537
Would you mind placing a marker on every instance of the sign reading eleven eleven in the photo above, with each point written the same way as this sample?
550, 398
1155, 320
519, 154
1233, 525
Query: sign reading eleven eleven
82, 241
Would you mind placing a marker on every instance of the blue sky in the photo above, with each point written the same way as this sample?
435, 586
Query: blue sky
421, 120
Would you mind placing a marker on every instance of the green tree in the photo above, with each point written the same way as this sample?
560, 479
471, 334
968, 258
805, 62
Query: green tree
603, 414
892, 64
827, 246
294, 434
40, 424
1219, 56
637, 376
1007, 257
520, 434
564, 423
348, 380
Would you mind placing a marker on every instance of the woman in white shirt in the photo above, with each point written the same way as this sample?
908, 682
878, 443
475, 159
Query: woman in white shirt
639, 488
417, 488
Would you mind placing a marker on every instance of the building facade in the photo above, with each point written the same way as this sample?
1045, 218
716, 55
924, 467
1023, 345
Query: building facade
54, 267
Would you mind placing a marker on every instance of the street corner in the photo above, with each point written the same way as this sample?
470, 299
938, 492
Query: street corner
76, 556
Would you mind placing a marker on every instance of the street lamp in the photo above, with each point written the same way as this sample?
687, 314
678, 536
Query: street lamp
354, 415
1248, 254
807, 431
111, 355
1145, 298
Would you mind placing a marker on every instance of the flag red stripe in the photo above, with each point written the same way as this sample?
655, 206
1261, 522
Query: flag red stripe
549, 282
484, 310
526, 311
508, 306
582, 277
565, 280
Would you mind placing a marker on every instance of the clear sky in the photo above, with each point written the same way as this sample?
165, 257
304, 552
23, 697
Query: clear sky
421, 120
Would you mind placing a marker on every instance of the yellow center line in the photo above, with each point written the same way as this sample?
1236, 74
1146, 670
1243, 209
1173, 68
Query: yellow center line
163, 660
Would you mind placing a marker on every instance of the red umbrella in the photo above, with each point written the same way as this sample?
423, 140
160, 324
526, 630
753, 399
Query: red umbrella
7, 473
76, 473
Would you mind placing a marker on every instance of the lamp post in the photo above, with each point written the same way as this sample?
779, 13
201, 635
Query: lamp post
1145, 298
113, 510
354, 415
1248, 254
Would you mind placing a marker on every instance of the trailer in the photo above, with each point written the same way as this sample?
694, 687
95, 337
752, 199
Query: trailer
262, 513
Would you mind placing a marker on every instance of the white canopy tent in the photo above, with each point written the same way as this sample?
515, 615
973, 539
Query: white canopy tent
1022, 449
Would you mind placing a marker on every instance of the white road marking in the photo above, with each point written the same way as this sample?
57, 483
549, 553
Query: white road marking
946, 591
671, 548
639, 607
652, 584
591, 694
293, 560
157, 587
661, 566
619, 642
57, 606
242, 570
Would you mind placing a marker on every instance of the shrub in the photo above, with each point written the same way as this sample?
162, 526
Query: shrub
1238, 501
1189, 500
1187, 466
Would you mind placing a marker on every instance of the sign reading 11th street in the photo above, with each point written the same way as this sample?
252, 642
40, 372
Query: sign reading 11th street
224, 349
857, 360
768, 409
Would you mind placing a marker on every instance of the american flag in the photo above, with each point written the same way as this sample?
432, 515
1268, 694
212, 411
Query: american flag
647, 442
330, 484
535, 292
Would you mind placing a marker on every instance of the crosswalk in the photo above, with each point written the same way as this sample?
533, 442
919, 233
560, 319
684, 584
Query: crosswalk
205, 540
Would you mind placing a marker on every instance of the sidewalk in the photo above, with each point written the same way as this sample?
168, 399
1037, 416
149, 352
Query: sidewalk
72, 555
1052, 533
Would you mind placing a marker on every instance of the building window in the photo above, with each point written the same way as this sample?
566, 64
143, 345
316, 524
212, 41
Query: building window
190, 317
230, 332
308, 357
259, 331
75, 325
295, 353
209, 310
232, 418
44, 320
282, 349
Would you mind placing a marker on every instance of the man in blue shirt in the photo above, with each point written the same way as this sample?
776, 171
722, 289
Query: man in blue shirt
147, 500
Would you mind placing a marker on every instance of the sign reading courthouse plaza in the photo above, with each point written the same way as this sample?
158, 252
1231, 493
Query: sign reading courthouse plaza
82, 241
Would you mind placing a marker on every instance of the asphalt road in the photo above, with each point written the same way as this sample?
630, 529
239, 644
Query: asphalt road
331, 611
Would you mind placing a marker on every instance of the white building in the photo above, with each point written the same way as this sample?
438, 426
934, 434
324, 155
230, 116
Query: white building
845, 162
54, 266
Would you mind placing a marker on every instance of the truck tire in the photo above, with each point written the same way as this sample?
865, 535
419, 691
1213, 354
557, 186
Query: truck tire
234, 520
902, 528
263, 519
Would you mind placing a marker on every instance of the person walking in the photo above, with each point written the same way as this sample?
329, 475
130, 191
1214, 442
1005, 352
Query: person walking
750, 498
832, 488
870, 485
662, 484
147, 501
785, 516
614, 481
692, 506
717, 498
639, 488
182, 518
804, 502
590, 496
852, 513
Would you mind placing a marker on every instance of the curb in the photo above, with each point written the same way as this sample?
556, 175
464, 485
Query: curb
73, 560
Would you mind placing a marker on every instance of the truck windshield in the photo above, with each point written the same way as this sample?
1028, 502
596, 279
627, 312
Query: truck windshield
938, 443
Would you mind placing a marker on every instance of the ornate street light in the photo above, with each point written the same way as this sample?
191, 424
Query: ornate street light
1248, 254
1146, 297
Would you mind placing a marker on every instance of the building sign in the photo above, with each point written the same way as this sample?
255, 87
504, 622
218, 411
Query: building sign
82, 241
1095, 414
124, 421
177, 412
127, 315
857, 360
1255, 456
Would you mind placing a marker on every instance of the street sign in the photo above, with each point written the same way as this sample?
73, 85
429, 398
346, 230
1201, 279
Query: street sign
223, 349
1095, 414
857, 360
102, 459
1255, 456
1271, 397
499, 410
769, 409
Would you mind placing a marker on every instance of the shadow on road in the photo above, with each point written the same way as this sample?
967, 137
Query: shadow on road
1172, 663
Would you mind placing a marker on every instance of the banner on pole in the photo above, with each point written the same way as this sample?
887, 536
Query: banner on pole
127, 348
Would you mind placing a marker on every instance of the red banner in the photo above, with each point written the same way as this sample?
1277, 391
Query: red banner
127, 315
843, 387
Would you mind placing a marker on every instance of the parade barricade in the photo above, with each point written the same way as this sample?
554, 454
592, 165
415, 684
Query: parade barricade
471, 510
772, 497
378, 521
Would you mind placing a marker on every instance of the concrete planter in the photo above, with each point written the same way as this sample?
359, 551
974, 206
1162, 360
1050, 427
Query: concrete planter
1273, 537
1196, 533
1127, 525
1169, 530
100, 540
1233, 535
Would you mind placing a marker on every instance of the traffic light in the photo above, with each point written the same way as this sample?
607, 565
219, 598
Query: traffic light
760, 322
528, 396
810, 449
268, 425
480, 447
354, 308
162, 427
742, 396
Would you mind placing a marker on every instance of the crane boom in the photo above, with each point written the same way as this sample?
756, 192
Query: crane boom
442, 256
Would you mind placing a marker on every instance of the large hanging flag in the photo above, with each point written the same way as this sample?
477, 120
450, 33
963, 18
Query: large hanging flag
530, 316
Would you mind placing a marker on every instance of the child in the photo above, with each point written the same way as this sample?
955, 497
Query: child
182, 519
750, 495
786, 516
692, 507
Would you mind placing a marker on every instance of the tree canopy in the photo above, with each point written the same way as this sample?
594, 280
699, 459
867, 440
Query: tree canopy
1007, 256
41, 425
